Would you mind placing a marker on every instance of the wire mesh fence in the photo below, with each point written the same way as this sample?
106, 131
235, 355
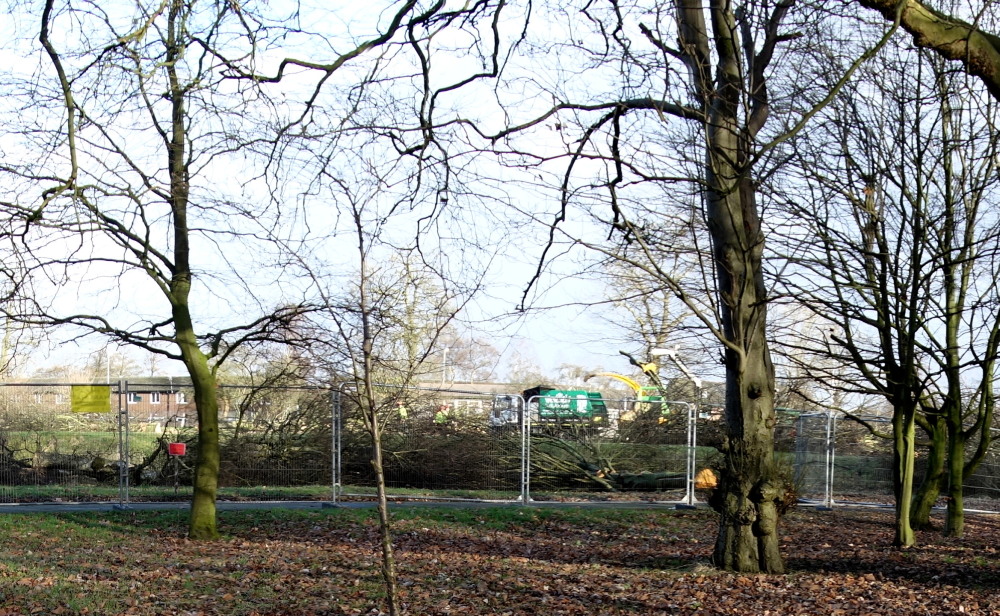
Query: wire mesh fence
137, 439
812, 457
633, 447
275, 444
51, 450
840, 461
861, 462
435, 444
982, 490
118, 443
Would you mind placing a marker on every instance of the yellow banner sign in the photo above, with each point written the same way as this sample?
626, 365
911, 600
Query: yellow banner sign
90, 398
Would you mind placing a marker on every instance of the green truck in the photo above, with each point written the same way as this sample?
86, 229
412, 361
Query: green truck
565, 405
548, 405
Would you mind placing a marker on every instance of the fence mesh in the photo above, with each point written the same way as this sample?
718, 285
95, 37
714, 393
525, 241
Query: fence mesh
982, 489
811, 465
862, 465
310, 444
276, 444
48, 452
435, 444
634, 449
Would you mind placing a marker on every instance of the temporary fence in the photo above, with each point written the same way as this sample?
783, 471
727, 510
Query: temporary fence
436, 443
275, 444
842, 461
640, 448
48, 452
136, 439
460, 444
471, 445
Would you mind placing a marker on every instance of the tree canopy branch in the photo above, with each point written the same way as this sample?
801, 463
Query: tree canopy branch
949, 36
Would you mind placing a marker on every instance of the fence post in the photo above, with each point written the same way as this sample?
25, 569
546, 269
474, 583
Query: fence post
123, 446
831, 451
336, 444
692, 454
525, 452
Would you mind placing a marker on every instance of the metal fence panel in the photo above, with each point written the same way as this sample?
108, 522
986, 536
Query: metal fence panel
275, 445
443, 444
862, 466
982, 489
49, 453
288, 443
631, 449
813, 457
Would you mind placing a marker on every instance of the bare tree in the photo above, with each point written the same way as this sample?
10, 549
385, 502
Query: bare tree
383, 329
407, 204
897, 259
160, 105
681, 96
131, 214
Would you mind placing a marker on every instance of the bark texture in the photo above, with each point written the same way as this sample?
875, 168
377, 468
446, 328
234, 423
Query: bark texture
750, 492
934, 473
951, 37
904, 442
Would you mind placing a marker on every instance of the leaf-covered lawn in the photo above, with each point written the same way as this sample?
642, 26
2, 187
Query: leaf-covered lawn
475, 561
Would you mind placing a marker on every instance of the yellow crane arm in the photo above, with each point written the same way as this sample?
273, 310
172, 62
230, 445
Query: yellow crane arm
637, 388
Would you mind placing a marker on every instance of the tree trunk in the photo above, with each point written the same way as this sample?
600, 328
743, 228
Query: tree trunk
202, 523
934, 475
749, 495
955, 520
750, 490
904, 437
369, 407
385, 524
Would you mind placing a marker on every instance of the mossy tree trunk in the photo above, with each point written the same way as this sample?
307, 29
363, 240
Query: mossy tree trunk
955, 519
202, 522
934, 473
963, 228
903, 458
140, 91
